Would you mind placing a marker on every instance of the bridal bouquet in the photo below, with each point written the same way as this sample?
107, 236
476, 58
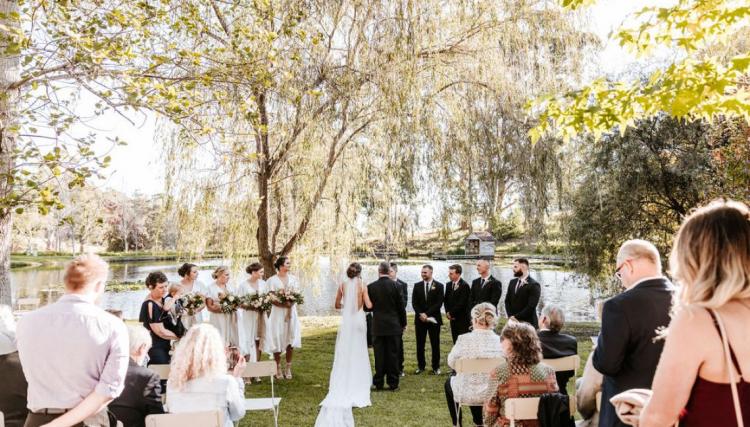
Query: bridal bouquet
283, 296
192, 303
257, 302
229, 303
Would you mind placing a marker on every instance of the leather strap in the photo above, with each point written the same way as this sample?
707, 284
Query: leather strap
732, 381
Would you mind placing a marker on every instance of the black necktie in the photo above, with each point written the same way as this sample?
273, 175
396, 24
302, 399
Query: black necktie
425, 290
482, 286
455, 285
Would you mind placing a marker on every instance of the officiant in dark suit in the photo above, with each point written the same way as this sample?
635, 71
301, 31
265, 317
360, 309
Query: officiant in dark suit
388, 323
403, 288
485, 288
523, 294
457, 302
427, 299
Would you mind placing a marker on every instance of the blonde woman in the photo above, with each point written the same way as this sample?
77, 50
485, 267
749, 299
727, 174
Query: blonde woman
225, 323
284, 332
252, 323
481, 343
198, 379
710, 261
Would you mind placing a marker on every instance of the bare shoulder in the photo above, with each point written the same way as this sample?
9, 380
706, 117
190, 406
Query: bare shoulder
691, 324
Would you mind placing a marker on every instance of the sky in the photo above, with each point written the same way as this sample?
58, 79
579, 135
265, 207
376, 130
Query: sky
138, 166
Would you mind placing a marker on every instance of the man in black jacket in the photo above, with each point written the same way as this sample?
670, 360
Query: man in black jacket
142, 393
427, 299
554, 344
457, 302
627, 352
485, 288
388, 323
523, 294
403, 288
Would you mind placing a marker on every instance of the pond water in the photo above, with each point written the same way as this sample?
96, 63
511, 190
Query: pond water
564, 288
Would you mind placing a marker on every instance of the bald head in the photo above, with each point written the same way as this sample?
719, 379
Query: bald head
637, 259
483, 267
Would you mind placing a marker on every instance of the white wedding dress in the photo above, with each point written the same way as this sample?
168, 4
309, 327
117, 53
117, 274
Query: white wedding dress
351, 376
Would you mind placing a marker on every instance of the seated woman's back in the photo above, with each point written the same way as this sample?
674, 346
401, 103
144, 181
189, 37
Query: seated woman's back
520, 374
208, 394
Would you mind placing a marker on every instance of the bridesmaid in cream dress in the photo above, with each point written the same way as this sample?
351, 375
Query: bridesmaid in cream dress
284, 332
226, 323
190, 284
252, 323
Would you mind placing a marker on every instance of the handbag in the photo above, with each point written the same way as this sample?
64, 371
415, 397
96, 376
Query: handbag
629, 404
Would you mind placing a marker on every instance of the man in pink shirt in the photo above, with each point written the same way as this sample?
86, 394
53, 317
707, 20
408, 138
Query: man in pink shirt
73, 353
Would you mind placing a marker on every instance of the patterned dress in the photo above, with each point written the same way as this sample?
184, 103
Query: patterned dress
514, 381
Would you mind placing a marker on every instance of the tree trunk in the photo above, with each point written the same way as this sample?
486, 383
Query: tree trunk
10, 71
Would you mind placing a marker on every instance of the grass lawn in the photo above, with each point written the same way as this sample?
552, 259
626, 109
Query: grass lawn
419, 401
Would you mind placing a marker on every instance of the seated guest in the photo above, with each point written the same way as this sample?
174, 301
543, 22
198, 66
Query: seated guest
142, 393
519, 375
13, 390
74, 354
234, 355
554, 344
481, 343
586, 389
198, 379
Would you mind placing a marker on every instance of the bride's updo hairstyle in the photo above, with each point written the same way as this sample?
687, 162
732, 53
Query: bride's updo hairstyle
484, 314
354, 270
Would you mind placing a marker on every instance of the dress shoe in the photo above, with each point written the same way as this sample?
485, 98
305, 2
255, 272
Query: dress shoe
418, 371
403, 374
376, 388
437, 371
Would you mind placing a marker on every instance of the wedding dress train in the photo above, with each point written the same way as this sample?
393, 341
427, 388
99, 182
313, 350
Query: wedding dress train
351, 375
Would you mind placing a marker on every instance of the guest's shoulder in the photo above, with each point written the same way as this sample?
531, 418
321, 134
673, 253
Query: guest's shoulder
540, 372
502, 372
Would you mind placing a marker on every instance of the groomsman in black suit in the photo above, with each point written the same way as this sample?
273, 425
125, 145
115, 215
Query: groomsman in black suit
403, 288
485, 288
388, 323
523, 294
457, 302
427, 299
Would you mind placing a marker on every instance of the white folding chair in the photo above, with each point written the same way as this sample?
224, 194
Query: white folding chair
520, 409
263, 369
2, 419
563, 364
187, 419
161, 370
474, 366
598, 401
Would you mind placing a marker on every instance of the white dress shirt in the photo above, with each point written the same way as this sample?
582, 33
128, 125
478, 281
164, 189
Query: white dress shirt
70, 349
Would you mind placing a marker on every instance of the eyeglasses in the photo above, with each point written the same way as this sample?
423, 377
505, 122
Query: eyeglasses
618, 273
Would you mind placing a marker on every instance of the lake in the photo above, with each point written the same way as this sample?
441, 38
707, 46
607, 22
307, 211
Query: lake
564, 288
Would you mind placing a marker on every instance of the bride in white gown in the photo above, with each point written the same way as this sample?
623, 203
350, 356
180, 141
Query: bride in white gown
351, 376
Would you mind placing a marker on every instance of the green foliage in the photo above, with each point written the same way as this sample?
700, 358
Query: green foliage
508, 229
641, 185
701, 85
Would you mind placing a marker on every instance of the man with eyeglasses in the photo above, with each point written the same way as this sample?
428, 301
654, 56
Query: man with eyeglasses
627, 350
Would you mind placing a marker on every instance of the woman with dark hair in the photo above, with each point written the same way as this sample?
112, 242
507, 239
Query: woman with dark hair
520, 374
252, 322
190, 284
153, 317
349, 385
284, 332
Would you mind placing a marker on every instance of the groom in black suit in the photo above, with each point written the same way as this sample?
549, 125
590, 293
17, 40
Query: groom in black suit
523, 294
457, 302
388, 323
427, 299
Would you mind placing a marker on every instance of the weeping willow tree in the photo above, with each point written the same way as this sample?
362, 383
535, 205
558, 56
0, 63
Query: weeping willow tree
476, 128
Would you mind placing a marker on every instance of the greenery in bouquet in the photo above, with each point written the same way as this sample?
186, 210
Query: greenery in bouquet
257, 302
284, 296
229, 303
192, 302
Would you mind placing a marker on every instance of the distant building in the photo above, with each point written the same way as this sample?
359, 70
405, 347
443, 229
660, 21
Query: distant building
480, 244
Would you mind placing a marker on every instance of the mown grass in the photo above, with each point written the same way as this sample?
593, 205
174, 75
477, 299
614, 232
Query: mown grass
419, 401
